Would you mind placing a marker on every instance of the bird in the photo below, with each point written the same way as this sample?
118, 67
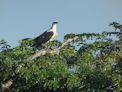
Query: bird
47, 36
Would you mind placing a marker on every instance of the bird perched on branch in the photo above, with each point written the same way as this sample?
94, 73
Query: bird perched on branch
47, 36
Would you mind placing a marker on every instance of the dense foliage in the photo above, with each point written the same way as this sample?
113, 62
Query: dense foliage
91, 63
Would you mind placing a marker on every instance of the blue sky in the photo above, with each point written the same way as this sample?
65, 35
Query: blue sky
29, 18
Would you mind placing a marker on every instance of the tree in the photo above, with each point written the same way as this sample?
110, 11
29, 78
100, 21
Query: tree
87, 62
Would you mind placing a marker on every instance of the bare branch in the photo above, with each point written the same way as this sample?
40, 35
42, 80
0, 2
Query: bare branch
56, 50
7, 84
118, 45
68, 41
43, 52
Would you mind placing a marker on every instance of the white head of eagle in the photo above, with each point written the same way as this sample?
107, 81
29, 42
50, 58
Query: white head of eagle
48, 35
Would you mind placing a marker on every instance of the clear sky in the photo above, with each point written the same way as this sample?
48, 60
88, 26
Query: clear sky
29, 18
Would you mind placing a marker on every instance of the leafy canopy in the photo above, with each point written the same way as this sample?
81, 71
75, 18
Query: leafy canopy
90, 63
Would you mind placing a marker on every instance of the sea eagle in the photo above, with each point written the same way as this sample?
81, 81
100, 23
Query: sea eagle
48, 35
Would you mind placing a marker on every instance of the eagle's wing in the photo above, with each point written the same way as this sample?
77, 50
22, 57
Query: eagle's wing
44, 37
